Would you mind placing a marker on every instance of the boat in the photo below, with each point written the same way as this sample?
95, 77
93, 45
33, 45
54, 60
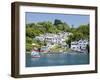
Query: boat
44, 49
35, 54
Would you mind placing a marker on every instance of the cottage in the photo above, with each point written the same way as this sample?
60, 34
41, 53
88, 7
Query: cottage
79, 45
83, 44
75, 46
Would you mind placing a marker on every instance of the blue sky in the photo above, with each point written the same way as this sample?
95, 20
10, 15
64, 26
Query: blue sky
70, 19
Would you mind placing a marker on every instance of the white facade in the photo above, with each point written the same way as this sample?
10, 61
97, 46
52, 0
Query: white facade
75, 46
79, 45
54, 38
83, 44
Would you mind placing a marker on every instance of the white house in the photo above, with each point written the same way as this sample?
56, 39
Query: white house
83, 44
75, 46
79, 45
41, 37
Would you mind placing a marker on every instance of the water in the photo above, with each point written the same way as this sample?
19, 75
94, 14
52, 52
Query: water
71, 58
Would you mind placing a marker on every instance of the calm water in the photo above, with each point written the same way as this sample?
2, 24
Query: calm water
71, 58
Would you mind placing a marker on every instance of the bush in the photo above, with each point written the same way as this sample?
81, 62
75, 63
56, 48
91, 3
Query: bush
28, 47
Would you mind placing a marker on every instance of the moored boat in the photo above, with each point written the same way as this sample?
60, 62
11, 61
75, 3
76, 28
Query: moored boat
44, 49
35, 54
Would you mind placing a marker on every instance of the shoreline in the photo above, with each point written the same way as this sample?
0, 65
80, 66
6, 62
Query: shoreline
68, 52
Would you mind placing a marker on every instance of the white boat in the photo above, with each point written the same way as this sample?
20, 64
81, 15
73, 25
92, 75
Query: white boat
35, 54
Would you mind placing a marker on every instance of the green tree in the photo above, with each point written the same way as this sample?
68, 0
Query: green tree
77, 36
69, 40
28, 47
57, 21
29, 32
88, 48
28, 40
84, 29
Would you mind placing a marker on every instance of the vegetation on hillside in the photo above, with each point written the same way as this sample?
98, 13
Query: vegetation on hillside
35, 29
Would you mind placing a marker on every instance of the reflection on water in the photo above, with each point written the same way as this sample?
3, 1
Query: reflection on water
72, 58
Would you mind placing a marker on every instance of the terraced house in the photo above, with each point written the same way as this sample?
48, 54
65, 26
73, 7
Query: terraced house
79, 45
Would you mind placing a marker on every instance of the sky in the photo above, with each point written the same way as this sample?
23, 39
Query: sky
70, 19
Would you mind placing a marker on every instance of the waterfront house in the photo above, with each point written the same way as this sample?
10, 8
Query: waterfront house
75, 46
79, 45
83, 44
